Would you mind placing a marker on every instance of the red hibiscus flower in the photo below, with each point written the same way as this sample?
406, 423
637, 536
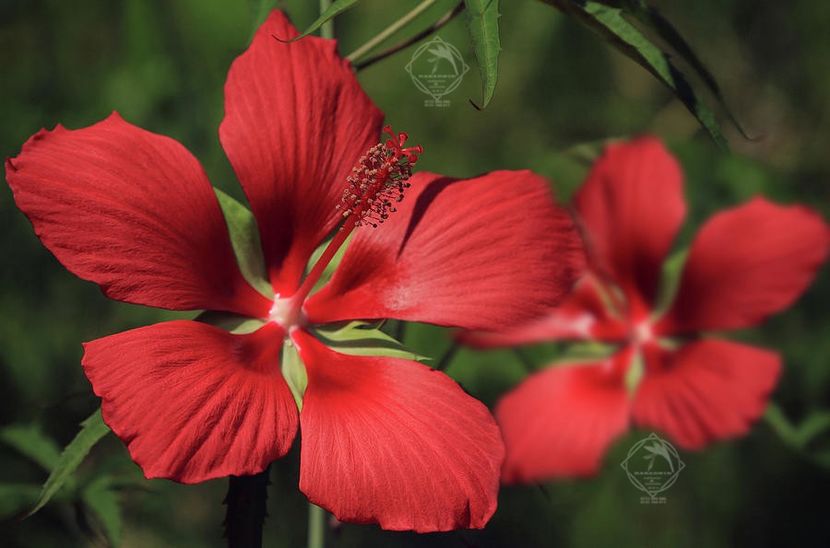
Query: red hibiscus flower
384, 440
745, 264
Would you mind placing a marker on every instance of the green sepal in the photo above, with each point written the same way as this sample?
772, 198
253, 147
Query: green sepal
92, 430
359, 338
293, 370
635, 373
483, 24
247, 248
233, 323
585, 352
328, 272
670, 281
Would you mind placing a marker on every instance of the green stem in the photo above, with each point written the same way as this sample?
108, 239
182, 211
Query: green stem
316, 526
327, 29
390, 30
437, 25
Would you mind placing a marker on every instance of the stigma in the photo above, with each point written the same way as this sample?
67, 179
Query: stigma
378, 180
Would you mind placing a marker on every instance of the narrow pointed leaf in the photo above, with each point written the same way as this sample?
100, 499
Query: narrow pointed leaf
336, 8
483, 24
30, 441
102, 501
15, 497
651, 17
608, 21
92, 430
244, 235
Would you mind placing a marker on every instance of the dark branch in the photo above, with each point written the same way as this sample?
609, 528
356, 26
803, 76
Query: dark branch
245, 515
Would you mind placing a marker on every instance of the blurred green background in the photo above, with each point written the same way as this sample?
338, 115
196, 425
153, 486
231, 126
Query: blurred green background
162, 65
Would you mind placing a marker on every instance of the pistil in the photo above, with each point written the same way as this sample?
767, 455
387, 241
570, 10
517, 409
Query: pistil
377, 182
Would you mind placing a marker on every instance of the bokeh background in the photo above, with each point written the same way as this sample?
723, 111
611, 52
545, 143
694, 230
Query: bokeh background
162, 65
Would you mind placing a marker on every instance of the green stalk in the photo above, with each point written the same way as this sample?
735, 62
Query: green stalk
390, 30
316, 526
327, 29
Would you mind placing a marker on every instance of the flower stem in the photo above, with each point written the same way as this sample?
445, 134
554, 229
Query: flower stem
327, 29
316, 526
443, 20
390, 30
245, 515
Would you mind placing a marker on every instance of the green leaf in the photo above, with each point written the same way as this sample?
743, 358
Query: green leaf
608, 21
244, 235
102, 501
364, 339
92, 430
230, 322
483, 24
336, 8
652, 18
799, 437
810, 428
30, 441
15, 497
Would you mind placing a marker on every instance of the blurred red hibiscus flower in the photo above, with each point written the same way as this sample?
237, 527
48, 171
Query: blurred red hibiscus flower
384, 439
745, 264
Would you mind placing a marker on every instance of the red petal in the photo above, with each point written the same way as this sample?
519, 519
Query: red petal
133, 212
632, 206
296, 121
705, 391
193, 402
747, 263
560, 421
478, 253
394, 442
582, 315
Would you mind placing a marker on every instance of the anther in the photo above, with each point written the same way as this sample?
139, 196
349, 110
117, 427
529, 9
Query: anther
379, 179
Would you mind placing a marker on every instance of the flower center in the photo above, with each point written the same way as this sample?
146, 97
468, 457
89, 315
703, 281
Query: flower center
287, 312
642, 332
377, 182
